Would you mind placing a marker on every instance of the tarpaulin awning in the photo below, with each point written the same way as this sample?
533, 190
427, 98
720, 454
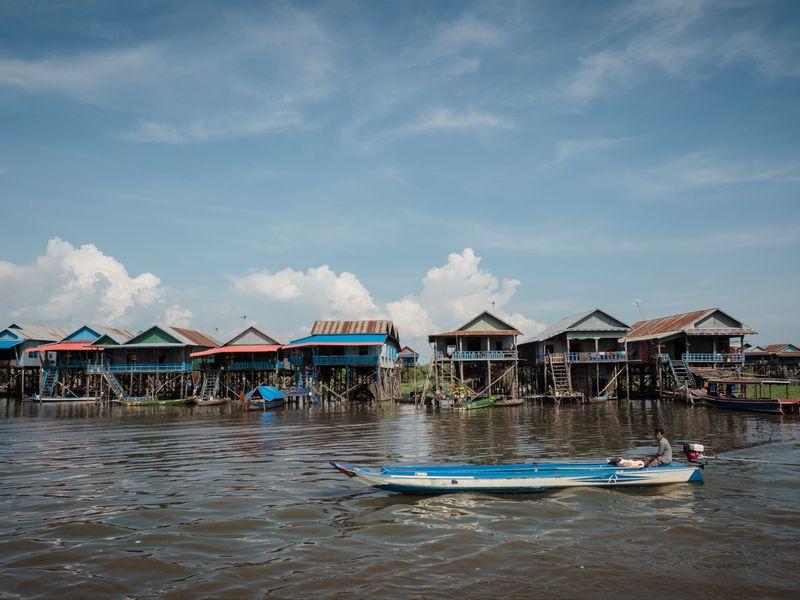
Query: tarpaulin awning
6, 344
356, 339
254, 348
267, 392
67, 347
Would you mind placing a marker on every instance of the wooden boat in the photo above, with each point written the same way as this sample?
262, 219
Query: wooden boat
210, 401
149, 401
600, 398
477, 403
264, 397
63, 400
745, 394
516, 478
509, 402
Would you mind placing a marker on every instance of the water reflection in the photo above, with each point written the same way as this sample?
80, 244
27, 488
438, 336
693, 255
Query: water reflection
216, 501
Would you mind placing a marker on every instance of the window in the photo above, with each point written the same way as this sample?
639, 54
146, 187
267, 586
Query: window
34, 354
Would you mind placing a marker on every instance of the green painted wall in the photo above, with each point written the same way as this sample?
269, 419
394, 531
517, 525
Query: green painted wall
486, 322
154, 336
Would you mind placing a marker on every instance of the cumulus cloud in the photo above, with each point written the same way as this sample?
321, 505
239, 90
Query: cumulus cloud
450, 294
178, 316
331, 295
71, 284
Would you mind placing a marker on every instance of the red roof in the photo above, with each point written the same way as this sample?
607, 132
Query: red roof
68, 347
684, 322
236, 350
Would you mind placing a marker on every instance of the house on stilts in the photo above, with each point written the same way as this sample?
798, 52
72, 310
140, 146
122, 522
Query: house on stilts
67, 364
477, 359
773, 360
19, 361
154, 364
676, 353
348, 360
407, 357
580, 356
247, 360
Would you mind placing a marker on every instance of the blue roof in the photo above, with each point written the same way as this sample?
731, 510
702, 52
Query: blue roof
344, 339
267, 392
6, 344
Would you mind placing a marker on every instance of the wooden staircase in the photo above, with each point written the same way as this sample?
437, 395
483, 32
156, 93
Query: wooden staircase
210, 387
113, 383
47, 385
559, 374
681, 373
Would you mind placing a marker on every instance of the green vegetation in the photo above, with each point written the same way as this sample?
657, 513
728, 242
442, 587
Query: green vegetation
773, 391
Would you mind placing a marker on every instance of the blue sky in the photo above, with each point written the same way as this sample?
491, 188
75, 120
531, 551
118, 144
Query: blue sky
198, 162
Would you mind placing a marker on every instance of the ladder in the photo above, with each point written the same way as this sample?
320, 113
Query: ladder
210, 385
558, 370
48, 383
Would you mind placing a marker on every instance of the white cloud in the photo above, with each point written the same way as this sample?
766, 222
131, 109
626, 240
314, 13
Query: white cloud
411, 319
177, 316
330, 295
685, 39
707, 170
450, 294
567, 149
69, 284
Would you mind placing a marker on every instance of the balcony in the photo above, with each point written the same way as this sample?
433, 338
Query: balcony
254, 366
694, 357
465, 355
140, 368
347, 359
596, 357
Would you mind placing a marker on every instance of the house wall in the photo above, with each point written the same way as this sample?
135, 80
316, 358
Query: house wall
120, 355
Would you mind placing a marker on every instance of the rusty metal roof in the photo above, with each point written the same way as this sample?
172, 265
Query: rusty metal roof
683, 323
351, 327
195, 338
775, 348
493, 332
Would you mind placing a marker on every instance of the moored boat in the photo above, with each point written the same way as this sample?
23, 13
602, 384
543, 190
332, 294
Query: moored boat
516, 478
214, 401
149, 401
754, 395
63, 400
264, 397
477, 403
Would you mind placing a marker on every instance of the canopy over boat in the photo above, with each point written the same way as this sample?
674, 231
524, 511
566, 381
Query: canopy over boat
515, 478
266, 392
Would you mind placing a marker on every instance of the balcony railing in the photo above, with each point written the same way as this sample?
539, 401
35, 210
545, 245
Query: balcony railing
255, 366
479, 355
596, 357
694, 357
140, 368
369, 359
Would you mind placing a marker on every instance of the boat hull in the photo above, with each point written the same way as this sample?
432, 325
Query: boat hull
765, 405
265, 404
519, 479
211, 402
58, 400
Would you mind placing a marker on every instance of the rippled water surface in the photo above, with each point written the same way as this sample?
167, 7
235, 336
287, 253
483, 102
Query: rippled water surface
206, 502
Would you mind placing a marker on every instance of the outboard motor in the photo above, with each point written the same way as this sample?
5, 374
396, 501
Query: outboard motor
694, 453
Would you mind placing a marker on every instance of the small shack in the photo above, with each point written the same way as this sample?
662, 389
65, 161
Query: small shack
407, 357
479, 358
348, 360
773, 360
248, 359
20, 367
580, 355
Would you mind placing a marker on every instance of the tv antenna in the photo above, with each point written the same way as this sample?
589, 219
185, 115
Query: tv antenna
637, 303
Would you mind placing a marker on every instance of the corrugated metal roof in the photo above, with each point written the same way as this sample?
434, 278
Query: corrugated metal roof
568, 323
406, 351
120, 336
460, 331
236, 350
356, 327
683, 323
45, 333
268, 339
194, 337
779, 348
354, 339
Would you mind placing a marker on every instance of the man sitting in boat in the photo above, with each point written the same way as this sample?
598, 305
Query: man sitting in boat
664, 453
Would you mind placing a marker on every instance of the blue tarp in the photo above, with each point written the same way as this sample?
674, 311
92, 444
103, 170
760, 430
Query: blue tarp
345, 339
6, 344
267, 392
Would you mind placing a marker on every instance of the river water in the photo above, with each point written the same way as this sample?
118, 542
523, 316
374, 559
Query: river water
213, 501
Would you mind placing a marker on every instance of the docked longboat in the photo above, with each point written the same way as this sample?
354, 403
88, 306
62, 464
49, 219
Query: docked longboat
516, 478
477, 403
747, 395
264, 397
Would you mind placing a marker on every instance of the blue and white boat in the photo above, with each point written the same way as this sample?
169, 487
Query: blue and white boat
516, 478
264, 397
